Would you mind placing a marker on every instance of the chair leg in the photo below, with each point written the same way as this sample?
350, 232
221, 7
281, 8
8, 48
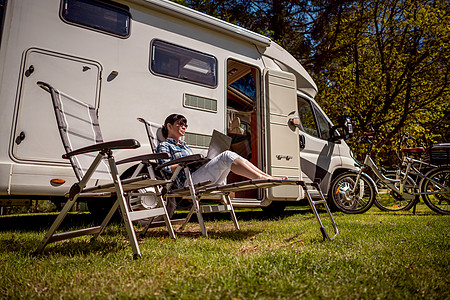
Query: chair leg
188, 217
195, 201
167, 220
107, 219
227, 200
161, 203
74, 194
165, 217
124, 208
67, 207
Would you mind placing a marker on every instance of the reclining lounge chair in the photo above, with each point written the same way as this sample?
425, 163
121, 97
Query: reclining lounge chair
205, 189
92, 158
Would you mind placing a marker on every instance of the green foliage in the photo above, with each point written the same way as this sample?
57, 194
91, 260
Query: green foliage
393, 71
35, 206
379, 61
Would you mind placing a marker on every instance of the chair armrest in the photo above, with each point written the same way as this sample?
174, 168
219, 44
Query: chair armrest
183, 160
105, 147
145, 157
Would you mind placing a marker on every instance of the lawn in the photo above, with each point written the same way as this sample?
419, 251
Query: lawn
376, 255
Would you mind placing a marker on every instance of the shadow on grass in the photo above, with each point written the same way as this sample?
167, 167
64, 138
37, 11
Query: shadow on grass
39, 222
42, 222
226, 232
406, 213
66, 248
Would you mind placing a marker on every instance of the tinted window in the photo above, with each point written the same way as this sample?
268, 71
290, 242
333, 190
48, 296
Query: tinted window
98, 15
324, 126
306, 115
182, 63
313, 121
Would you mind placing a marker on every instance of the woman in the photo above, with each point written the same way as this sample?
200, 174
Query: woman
216, 170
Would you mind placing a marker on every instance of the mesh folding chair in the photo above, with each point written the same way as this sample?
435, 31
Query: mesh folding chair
154, 133
205, 190
92, 160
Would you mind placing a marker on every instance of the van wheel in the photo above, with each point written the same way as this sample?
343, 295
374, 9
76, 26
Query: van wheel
274, 208
352, 196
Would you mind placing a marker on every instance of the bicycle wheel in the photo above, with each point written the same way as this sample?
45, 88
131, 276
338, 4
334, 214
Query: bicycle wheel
389, 200
345, 200
438, 202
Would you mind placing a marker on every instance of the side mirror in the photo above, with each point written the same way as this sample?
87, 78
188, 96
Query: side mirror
294, 123
345, 123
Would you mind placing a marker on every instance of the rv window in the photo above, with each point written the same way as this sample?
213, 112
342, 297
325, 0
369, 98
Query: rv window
182, 63
98, 15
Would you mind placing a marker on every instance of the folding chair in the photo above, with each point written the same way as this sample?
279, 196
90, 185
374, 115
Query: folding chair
224, 190
205, 189
92, 159
155, 137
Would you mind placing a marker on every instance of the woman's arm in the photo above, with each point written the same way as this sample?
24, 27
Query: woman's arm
165, 147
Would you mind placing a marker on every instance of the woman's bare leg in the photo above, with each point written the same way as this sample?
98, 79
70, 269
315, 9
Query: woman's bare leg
248, 170
256, 169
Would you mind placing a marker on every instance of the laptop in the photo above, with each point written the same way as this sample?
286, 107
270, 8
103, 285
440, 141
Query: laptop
219, 143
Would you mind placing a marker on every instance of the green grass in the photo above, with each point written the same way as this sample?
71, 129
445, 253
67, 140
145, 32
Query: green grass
376, 255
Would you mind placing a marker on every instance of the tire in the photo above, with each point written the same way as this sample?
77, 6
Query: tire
149, 201
439, 203
389, 200
342, 198
137, 203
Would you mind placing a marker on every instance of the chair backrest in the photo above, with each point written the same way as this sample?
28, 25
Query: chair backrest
78, 127
154, 133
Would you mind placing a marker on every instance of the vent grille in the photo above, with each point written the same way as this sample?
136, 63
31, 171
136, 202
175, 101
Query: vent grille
197, 140
200, 103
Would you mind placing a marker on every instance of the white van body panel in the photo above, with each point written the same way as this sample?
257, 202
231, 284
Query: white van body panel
113, 74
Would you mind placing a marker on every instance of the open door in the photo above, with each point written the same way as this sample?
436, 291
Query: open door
283, 151
243, 96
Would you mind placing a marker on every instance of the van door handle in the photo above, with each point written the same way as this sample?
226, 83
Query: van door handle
287, 157
301, 141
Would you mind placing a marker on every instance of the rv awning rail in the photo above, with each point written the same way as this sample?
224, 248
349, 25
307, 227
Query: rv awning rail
193, 16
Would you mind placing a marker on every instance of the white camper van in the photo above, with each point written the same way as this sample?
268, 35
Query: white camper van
151, 58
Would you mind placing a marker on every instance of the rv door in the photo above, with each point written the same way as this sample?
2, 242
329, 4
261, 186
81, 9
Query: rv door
282, 141
36, 137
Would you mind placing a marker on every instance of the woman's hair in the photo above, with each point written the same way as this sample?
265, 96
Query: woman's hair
172, 119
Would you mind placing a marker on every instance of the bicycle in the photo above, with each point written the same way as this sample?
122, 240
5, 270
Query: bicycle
388, 199
348, 190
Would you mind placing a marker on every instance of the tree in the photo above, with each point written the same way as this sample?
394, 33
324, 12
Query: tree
382, 61
394, 71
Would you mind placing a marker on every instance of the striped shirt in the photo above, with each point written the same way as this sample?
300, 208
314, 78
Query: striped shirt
176, 150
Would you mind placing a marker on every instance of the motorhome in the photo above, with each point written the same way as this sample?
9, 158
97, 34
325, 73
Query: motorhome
147, 59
